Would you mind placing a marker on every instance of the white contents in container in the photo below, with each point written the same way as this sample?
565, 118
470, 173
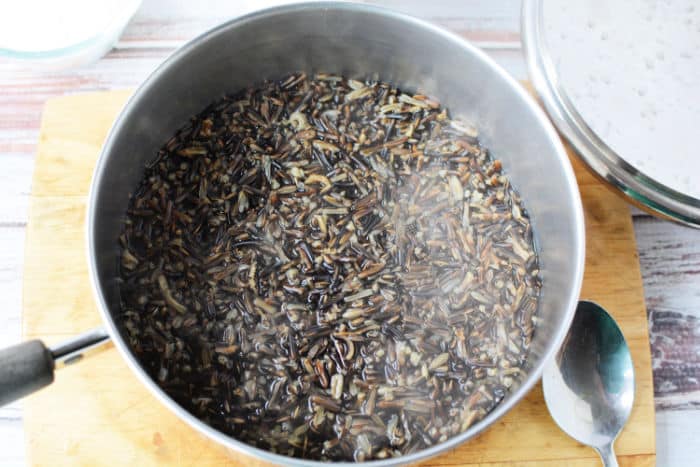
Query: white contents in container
45, 25
632, 70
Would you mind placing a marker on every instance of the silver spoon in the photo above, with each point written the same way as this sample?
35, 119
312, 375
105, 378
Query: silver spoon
589, 386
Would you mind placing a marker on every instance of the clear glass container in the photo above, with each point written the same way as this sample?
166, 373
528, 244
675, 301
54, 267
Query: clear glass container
53, 35
621, 81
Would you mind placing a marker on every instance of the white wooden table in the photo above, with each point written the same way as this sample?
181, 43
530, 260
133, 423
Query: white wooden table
669, 254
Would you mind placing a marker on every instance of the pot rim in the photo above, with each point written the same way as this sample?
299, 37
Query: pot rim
501, 409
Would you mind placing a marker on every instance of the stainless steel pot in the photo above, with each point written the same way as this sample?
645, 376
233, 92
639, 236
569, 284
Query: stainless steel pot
356, 41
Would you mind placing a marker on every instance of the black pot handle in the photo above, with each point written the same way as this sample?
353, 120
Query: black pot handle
29, 366
24, 368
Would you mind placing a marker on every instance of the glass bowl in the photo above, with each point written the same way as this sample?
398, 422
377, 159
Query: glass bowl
48, 35
640, 187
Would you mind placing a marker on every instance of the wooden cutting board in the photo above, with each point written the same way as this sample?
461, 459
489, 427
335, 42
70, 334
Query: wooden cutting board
97, 412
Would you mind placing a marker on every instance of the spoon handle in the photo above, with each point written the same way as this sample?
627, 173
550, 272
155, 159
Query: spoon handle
607, 455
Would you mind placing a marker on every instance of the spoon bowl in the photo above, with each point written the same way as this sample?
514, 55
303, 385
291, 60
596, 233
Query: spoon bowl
589, 385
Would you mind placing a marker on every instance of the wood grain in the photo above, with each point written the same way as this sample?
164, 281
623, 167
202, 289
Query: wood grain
674, 325
162, 25
117, 414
